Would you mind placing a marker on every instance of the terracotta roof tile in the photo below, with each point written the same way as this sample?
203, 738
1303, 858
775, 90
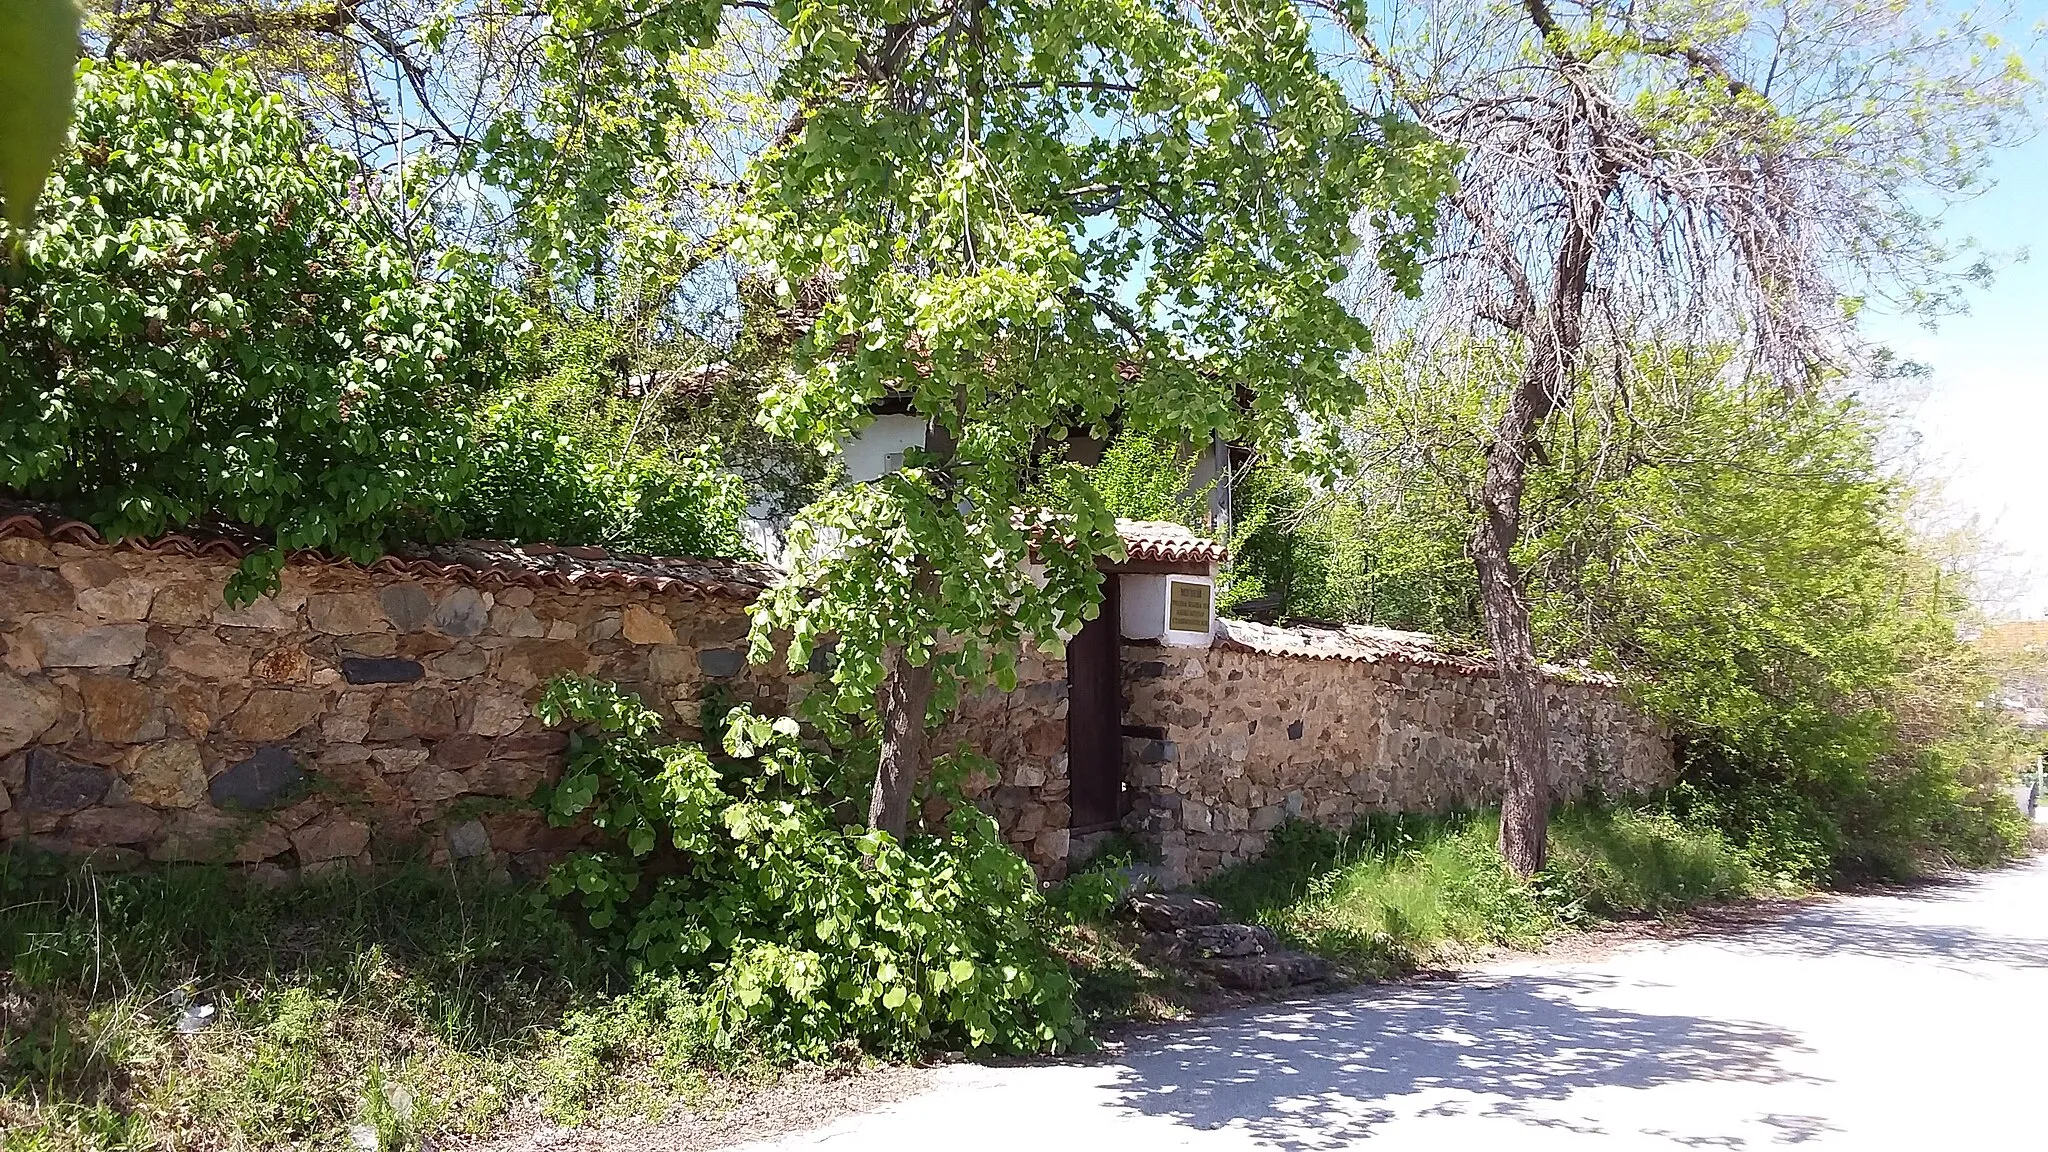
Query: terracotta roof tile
1163, 540
1368, 645
484, 563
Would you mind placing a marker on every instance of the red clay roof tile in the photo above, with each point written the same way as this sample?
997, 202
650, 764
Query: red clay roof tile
485, 563
1369, 645
1166, 541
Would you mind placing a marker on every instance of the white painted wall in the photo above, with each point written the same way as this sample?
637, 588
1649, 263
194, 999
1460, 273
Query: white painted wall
1143, 598
878, 448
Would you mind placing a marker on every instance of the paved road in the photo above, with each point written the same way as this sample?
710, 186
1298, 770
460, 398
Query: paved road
1870, 1022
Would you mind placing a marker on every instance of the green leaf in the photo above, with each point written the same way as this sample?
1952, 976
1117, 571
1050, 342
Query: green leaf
38, 49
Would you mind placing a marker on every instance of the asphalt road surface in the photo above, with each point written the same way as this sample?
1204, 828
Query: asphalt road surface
1915, 1020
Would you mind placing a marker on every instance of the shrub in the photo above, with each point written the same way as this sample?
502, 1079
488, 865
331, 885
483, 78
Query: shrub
794, 933
212, 325
540, 477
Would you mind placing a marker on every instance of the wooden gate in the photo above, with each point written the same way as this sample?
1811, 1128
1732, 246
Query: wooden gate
1095, 717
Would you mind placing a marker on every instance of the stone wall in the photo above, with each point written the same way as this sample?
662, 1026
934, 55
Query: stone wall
351, 716
369, 714
1239, 741
360, 715
1022, 734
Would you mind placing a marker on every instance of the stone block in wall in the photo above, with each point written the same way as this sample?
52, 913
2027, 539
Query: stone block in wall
208, 657
462, 750
123, 598
496, 715
90, 571
349, 772
1051, 848
210, 836
345, 613
270, 777
671, 664
461, 663
31, 553
382, 670
186, 600
469, 840
461, 611
528, 662
53, 783
26, 590
275, 612
119, 710
641, 625
721, 663
530, 745
168, 774
525, 830
284, 664
274, 714
63, 643
28, 708
517, 620
406, 607
124, 824
399, 758
336, 837
1042, 741
434, 785
507, 779
413, 713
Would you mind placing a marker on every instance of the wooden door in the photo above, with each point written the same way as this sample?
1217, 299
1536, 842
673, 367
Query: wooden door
1095, 719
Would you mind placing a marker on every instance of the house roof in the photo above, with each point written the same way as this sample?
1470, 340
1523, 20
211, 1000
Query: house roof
2015, 637
484, 563
1368, 645
1162, 540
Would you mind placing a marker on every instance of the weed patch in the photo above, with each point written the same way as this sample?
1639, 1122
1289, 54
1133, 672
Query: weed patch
1395, 892
192, 1008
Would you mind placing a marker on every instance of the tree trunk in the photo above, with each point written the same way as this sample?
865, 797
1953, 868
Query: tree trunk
1525, 736
902, 702
903, 699
1554, 333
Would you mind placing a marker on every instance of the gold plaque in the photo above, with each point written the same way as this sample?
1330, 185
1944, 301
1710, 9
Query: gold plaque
1187, 606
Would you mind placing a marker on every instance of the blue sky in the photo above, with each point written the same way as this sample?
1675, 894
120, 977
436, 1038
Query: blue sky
1983, 421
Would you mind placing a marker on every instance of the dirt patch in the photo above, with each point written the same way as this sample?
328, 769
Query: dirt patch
1708, 920
796, 1101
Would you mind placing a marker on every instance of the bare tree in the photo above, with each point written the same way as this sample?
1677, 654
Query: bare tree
1638, 176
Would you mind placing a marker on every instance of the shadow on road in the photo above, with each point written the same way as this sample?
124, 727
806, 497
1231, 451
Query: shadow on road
1904, 924
1823, 932
1323, 1074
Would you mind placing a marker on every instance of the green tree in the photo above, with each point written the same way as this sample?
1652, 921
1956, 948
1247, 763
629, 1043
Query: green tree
594, 149
1754, 568
1748, 565
1677, 175
210, 330
1027, 219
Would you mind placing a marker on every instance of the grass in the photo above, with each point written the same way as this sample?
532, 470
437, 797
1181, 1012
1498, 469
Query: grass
407, 1006
404, 1007
1398, 892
